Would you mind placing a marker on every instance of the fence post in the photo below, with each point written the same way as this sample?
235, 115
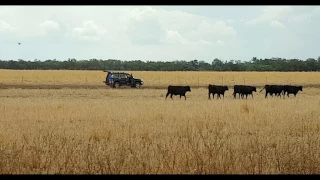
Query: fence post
21, 79
244, 80
159, 80
54, 79
86, 80
266, 80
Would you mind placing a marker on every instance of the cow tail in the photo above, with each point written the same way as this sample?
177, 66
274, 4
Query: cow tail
263, 88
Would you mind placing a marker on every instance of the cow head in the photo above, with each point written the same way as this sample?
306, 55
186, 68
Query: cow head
187, 88
254, 89
226, 88
300, 88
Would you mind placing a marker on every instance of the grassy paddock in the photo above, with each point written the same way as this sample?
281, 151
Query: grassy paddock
136, 131
93, 79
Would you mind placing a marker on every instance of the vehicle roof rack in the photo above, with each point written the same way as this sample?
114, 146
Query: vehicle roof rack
121, 72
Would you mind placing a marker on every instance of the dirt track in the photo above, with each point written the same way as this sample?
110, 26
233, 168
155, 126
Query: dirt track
73, 86
67, 86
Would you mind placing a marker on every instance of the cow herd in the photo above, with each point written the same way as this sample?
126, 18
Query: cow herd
242, 90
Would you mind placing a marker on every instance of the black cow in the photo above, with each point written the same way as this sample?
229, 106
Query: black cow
273, 89
236, 89
291, 90
215, 89
243, 90
178, 90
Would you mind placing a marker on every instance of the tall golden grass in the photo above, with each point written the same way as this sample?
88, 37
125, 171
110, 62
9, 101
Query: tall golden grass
162, 79
137, 131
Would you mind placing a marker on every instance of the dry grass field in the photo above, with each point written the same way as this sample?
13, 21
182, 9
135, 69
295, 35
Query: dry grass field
94, 79
137, 131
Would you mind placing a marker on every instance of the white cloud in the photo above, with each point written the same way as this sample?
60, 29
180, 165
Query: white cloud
50, 25
173, 37
230, 21
196, 28
5, 27
89, 31
277, 24
141, 13
125, 24
285, 15
144, 32
203, 42
218, 28
189, 28
273, 13
220, 43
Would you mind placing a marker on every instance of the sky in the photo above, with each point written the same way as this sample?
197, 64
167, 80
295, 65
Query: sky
159, 33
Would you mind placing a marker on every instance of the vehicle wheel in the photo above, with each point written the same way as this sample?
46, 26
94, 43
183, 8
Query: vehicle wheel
137, 85
116, 85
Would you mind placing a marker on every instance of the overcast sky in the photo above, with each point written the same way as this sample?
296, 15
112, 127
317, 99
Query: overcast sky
159, 33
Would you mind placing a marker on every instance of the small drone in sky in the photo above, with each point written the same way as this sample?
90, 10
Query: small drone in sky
19, 43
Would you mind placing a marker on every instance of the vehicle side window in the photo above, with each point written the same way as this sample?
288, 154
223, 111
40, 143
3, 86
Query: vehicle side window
122, 76
115, 76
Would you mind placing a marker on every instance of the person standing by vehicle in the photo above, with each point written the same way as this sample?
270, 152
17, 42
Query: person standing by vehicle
110, 79
131, 78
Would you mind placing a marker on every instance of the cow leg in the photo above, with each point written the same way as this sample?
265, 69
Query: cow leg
246, 96
167, 95
252, 95
180, 96
266, 95
209, 96
171, 96
185, 97
295, 94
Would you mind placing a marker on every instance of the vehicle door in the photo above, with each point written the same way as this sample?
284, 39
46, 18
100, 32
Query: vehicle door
122, 78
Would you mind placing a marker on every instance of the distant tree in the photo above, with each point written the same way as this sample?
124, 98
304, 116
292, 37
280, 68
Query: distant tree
273, 64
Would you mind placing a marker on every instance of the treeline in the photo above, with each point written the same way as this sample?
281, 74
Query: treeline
255, 64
